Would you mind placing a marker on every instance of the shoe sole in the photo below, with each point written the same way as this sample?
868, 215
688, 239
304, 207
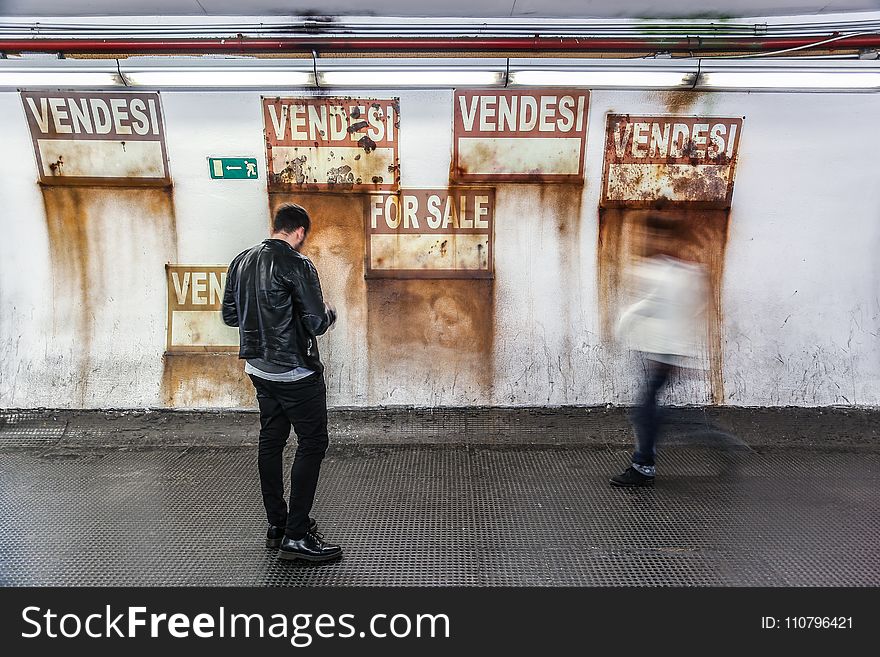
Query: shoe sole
290, 556
643, 484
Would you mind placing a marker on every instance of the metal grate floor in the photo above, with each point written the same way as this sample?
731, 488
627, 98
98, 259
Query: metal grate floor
444, 516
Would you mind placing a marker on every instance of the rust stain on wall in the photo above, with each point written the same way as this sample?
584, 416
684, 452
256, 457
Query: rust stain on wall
702, 237
73, 275
562, 201
708, 237
85, 225
335, 243
678, 102
456, 171
614, 254
197, 380
439, 333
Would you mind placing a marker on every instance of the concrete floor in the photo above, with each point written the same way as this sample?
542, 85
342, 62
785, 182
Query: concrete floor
471, 497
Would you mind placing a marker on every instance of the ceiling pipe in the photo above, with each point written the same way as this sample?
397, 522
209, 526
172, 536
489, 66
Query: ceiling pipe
308, 45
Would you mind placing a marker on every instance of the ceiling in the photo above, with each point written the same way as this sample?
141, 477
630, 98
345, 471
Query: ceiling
715, 9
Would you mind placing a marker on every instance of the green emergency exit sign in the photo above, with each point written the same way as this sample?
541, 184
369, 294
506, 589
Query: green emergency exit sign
232, 167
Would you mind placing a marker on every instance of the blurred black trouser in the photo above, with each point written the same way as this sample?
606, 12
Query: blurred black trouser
302, 404
646, 416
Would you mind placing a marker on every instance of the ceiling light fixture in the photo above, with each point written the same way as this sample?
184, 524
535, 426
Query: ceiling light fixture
391, 78
181, 73
789, 75
411, 73
604, 73
218, 77
55, 75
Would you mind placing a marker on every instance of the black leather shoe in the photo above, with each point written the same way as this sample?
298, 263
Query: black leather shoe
309, 548
276, 533
631, 478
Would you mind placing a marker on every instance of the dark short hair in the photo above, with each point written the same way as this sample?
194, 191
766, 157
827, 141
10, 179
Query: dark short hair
289, 217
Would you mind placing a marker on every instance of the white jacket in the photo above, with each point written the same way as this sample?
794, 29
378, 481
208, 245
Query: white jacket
668, 319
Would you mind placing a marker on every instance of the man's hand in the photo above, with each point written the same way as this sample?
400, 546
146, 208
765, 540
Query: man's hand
331, 313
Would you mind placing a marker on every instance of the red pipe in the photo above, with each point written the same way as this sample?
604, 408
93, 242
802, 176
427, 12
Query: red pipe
451, 44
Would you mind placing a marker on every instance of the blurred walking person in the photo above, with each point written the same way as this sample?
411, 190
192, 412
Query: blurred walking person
274, 297
666, 324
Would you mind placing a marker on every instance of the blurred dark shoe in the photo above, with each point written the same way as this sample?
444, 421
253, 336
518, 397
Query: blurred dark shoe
310, 547
631, 478
275, 533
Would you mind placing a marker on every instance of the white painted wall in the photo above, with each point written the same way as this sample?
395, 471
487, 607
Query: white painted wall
801, 292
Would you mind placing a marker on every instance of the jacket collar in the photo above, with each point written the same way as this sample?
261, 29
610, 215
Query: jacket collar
273, 240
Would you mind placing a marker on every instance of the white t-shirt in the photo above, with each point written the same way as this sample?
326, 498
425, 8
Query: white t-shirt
285, 376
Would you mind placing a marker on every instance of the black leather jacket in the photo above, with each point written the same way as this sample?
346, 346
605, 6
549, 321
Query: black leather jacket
274, 298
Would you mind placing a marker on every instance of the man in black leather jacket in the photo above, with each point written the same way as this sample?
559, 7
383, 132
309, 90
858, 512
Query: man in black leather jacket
274, 298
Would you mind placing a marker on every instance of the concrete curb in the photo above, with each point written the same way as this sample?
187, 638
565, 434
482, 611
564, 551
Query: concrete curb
735, 426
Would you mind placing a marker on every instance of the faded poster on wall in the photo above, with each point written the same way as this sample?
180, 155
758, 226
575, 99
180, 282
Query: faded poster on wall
97, 138
528, 136
431, 233
195, 297
681, 159
332, 144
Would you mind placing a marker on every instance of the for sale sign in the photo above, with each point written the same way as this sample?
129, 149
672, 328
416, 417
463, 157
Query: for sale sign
431, 233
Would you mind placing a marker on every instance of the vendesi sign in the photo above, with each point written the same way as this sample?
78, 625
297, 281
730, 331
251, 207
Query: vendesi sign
233, 167
97, 137
332, 144
681, 159
431, 233
195, 297
535, 135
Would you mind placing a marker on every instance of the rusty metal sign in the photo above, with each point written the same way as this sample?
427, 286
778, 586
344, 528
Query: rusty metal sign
332, 144
682, 159
88, 138
431, 233
195, 296
538, 135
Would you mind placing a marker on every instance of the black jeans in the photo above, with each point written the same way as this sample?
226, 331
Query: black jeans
302, 404
646, 416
